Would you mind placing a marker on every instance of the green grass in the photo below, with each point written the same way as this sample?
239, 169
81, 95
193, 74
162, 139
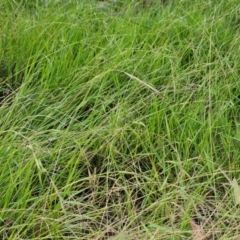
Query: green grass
119, 122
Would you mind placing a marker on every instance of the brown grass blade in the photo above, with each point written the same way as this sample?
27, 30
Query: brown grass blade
197, 232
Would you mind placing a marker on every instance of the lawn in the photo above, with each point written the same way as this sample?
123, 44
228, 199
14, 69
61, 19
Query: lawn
120, 120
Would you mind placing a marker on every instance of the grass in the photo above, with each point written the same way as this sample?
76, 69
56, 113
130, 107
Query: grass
118, 121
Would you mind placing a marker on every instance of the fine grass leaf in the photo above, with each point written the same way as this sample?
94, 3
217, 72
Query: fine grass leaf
197, 232
142, 82
235, 186
236, 191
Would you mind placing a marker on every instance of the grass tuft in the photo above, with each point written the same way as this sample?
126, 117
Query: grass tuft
119, 119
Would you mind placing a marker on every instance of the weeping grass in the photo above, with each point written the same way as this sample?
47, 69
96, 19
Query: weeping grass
119, 122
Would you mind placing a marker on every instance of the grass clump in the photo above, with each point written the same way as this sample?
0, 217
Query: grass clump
119, 121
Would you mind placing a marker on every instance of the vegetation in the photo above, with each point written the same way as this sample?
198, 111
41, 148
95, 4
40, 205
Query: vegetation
119, 120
